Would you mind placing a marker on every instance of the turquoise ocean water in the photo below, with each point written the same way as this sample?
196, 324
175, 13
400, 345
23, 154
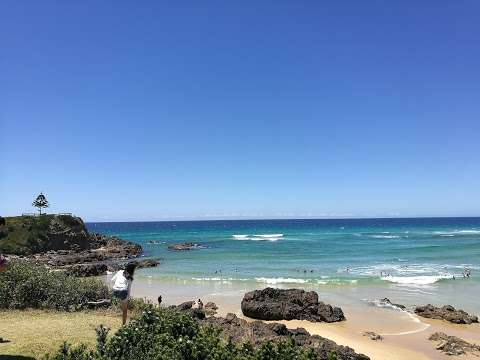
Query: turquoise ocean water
406, 258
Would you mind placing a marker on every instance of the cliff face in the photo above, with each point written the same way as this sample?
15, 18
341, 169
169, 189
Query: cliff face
24, 235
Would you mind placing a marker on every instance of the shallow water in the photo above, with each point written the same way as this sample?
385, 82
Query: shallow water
410, 260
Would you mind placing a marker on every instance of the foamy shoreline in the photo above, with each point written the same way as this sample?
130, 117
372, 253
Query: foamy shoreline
405, 334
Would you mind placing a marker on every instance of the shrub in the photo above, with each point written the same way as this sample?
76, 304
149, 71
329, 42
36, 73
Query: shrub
167, 334
24, 285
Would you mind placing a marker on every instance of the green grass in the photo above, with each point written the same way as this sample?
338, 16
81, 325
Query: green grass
35, 333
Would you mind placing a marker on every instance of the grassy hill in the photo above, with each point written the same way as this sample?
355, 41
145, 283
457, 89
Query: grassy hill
24, 235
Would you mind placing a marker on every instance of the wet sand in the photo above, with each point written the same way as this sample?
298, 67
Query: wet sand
405, 334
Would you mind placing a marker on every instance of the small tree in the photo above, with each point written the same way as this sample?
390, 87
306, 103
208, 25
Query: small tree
40, 202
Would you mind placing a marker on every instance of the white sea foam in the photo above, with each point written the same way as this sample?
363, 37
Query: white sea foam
416, 280
281, 280
337, 281
413, 317
468, 231
458, 232
383, 304
267, 236
219, 279
385, 236
240, 237
265, 239
207, 278
259, 237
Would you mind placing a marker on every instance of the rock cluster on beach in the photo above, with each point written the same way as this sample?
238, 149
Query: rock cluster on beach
447, 312
452, 345
257, 332
288, 304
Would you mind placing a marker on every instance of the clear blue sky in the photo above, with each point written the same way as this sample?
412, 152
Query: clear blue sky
207, 109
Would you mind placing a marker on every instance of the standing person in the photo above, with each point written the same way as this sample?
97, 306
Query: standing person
122, 283
3, 263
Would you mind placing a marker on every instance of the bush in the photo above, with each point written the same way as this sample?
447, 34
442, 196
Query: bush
167, 334
24, 285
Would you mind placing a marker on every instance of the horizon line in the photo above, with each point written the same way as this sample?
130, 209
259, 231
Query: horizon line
299, 218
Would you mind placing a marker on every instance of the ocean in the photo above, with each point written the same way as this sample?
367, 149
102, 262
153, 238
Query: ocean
412, 260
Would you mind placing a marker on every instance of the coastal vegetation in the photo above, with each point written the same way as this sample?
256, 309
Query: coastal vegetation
163, 333
24, 235
62, 242
25, 285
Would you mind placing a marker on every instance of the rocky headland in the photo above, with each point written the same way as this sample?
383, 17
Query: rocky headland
63, 242
288, 304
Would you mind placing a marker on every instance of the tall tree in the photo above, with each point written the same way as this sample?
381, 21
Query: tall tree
40, 202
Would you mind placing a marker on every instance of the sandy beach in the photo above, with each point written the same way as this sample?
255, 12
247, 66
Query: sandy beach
405, 336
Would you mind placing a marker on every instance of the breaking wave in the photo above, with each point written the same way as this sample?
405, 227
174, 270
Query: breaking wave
416, 280
259, 237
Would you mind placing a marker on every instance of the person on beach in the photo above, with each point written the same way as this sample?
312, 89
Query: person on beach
122, 283
3, 263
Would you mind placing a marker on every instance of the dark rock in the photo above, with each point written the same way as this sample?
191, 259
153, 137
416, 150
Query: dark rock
185, 305
197, 313
373, 336
185, 246
386, 301
280, 304
257, 332
452, 345
114, 247
210, 308
87, 269
447, 312
147, 263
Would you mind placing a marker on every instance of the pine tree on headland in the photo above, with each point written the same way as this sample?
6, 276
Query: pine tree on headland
40, 202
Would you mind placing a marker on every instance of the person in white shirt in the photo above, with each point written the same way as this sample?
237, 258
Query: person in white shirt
122, 283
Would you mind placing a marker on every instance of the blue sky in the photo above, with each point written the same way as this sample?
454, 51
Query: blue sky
166, 110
